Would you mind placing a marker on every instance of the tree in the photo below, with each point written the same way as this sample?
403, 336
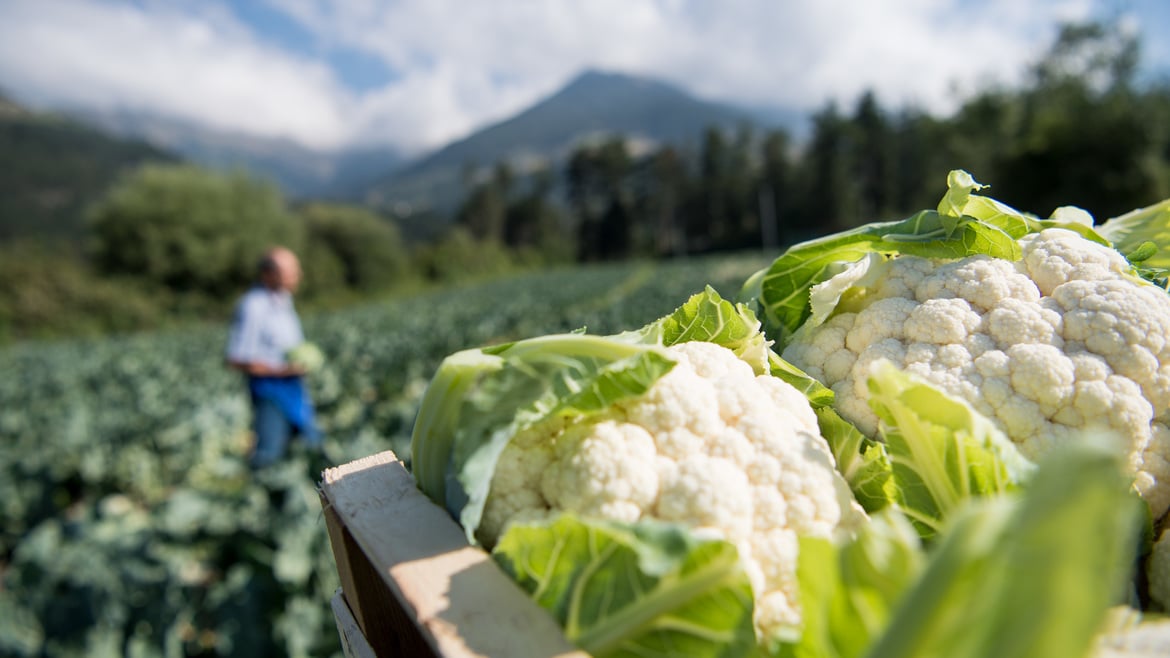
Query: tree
597, 180
873, 159
534, 226
484, 211
712, 223
457, 256
189, 229
367, 249
774, 193
831, 194
49, 291
1086, 137
661, 199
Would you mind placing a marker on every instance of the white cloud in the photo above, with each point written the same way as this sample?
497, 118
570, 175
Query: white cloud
200, 67
459, 65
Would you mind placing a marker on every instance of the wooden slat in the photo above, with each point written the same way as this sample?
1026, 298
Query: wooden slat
388, 629
353, 640
462, 603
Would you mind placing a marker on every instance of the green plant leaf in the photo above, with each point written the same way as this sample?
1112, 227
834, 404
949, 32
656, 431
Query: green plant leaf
1129, 232
942, 451
960, 185
849, 591
1029, 575
862, 461
709, 318
648, 589
819, 395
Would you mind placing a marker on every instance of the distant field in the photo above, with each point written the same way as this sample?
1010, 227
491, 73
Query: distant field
128, 521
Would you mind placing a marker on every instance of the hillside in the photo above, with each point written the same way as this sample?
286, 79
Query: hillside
299, 171
52, 168
592, 104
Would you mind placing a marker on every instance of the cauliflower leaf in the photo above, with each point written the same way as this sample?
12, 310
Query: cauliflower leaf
863, 462
942, 452
1017, 575
638, 589
1012, 575
849, 590
1143, 237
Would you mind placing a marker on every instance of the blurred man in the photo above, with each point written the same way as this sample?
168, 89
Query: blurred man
264, 328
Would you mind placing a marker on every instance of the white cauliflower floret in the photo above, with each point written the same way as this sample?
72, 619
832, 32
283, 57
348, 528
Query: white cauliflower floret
1057, 256
711, 445
519, 473
606, 470
1062, 341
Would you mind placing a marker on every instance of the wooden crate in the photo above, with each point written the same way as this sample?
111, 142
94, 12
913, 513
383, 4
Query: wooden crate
411, 583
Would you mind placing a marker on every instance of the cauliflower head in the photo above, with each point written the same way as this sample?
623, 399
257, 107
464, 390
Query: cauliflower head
710, 445
1063, 340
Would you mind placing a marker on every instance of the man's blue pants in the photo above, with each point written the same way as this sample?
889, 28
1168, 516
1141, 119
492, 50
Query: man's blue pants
273, 432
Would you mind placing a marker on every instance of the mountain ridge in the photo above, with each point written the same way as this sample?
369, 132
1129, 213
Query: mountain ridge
594, 103
300, 171
53, 167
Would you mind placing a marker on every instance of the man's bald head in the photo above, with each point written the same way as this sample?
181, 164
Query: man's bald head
280, 269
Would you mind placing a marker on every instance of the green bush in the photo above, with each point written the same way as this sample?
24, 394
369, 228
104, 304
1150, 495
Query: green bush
458, 256
351, 247
46, 292
188, 229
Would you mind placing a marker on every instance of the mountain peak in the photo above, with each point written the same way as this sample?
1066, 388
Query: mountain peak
595, 80
593, 103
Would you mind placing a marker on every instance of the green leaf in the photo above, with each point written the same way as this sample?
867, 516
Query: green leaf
1018, 224
960, 185
438, 417
848, 592
1129, 232
20, 631
1144, 252
1025, 576
819, 395
709, 318
942, 451
862, 461
648, 589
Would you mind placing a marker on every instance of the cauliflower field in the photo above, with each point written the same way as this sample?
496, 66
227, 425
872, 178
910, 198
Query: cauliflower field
129, 523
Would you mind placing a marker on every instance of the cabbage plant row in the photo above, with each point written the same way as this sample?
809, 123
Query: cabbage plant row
129, 522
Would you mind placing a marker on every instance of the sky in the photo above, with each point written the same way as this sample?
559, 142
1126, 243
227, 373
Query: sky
415, 74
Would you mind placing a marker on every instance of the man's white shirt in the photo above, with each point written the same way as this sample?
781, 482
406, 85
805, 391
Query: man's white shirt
265, 327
